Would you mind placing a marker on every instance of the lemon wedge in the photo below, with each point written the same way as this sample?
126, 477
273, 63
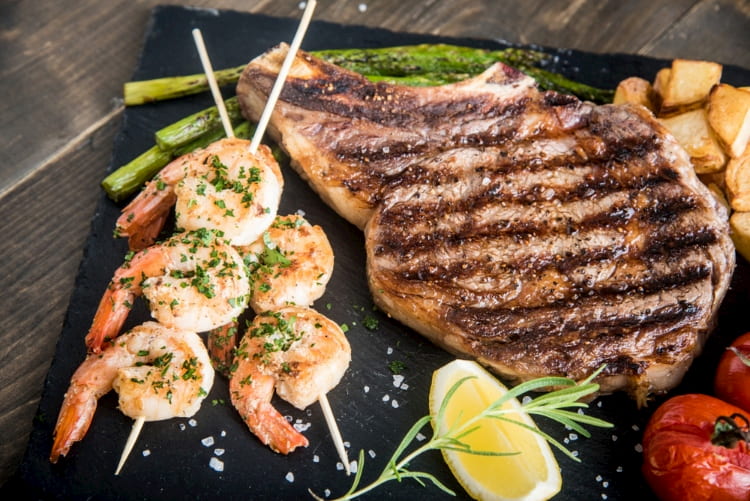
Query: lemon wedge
532, 474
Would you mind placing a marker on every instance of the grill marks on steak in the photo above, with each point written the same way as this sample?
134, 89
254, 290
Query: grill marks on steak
531, 231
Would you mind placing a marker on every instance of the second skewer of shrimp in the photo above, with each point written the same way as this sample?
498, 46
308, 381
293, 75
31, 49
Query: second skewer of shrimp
290, 264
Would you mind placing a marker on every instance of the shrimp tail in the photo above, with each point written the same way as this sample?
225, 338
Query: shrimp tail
120, 295
144, 217
146, 235
251, 397
109, 318
73, 422
221, 344
273, 429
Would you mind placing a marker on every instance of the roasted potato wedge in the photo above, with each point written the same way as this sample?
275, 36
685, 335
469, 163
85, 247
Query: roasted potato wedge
688, 85
737, 182
692, 131
729, 117
635, 90
739, 225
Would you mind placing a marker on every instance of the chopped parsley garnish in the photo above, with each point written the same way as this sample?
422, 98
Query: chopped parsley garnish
396, 366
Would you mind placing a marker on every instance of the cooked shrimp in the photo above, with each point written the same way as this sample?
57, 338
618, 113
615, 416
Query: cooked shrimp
221, 187
157, 371
290, 264
295, 351
191, 281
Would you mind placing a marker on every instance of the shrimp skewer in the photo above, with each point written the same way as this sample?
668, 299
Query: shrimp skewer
296, 352
158, 372
191, 281
290, 264
220, 187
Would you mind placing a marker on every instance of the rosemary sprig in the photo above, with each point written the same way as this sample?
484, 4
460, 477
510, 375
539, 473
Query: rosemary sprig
552, 405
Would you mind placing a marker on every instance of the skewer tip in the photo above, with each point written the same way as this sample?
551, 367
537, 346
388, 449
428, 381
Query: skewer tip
335, 433
212, 83
134, 432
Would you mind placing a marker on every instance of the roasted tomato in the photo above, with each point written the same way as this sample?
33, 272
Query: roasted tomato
695, 447
732, 383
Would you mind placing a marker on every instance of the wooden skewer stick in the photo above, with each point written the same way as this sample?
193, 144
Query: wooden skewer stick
134, 432
208, 70
279, 83
262, 124
335, 433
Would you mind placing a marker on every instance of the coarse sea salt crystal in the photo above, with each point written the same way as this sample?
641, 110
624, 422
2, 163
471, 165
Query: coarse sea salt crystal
638, 448
219, 452
353, 466
193, 423
289, 477
182, 427
389, 351
525, 400
420, 437
302, 5
397, 380
635, 427
208, 441
619, 469
327, 492
362, 7
302, 426
371, 453
216, 464
223, 433
367, 389
386, 397
485, 181
394, 403
146, 452
404, 386
316, 459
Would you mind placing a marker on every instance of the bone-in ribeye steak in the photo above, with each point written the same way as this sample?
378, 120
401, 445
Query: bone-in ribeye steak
534, 232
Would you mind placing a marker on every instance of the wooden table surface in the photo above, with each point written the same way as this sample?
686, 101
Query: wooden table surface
62, 67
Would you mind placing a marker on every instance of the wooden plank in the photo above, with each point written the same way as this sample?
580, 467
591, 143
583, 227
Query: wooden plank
716, 30
46, 220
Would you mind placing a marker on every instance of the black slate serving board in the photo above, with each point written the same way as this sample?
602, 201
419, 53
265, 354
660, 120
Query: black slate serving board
170, 460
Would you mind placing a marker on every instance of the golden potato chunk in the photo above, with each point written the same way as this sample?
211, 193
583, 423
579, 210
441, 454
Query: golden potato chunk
688, 85
739, 225
634, 90
729, 117
692, 131
737, 182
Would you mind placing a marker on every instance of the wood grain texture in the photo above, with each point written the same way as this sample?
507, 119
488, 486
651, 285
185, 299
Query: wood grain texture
62, 66
48, 218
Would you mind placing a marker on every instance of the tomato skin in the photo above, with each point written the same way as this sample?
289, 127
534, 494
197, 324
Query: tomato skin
681, 463
732, 381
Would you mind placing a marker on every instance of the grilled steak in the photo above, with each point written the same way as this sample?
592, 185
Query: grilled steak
536, 233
